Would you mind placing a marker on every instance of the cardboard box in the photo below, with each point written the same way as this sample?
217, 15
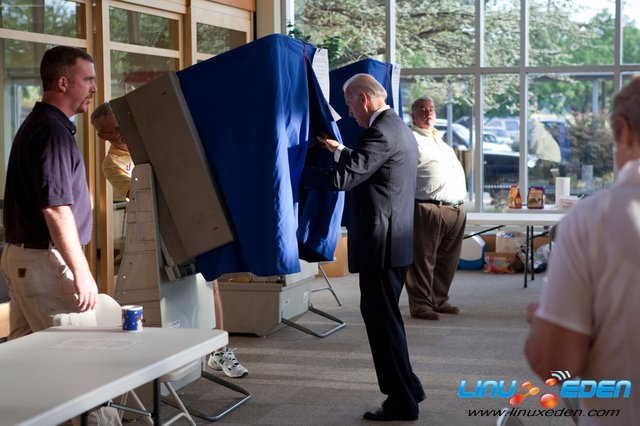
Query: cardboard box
340, 266
510, 242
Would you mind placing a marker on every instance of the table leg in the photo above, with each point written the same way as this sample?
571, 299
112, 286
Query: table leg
532, 253
156, 402
84, 419
526, 255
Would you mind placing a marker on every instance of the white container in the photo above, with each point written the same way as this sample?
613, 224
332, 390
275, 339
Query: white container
563, 188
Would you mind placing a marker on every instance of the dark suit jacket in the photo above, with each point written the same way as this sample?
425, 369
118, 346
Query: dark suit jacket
380, 175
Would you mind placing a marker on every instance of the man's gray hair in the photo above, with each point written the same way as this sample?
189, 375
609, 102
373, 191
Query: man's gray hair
414, 105
364, 83
103, 110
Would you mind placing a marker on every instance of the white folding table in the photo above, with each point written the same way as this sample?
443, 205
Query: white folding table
61, 372
528, 218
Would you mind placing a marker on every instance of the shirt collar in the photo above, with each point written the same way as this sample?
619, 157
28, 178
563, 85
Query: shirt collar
424, 132
377, 113
55, 112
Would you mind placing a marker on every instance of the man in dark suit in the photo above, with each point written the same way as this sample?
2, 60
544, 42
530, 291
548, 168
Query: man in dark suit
380, 175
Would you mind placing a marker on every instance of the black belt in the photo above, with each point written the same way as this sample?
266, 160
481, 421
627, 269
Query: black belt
40, 245
442, 203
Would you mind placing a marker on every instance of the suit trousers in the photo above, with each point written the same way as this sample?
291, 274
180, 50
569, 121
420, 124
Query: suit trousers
437, 241
380, 293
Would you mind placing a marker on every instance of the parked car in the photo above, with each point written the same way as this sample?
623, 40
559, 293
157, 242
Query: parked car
461, 136
511, 125
501, 164
491, 143
503, 137
460, 133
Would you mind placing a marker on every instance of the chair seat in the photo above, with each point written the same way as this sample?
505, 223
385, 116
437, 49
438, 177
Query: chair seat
181, 372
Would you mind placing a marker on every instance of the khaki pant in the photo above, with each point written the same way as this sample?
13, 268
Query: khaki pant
437, 241
41, 290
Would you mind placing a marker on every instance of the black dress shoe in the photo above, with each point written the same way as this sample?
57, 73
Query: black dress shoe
386, 415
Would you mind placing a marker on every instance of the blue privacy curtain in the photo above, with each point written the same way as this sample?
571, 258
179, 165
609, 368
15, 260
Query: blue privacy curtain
349, 129
257, 110
381, 71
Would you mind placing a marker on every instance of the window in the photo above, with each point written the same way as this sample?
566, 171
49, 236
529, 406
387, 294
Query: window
546, 96
630, 32
440, 36
51, 17
360, 27
568, 131
571, 32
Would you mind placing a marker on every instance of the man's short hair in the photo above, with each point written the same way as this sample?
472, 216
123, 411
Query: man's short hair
102, 110
627, 104
364, 83
56, 61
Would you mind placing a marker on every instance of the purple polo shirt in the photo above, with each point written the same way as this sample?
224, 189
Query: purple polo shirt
45, 169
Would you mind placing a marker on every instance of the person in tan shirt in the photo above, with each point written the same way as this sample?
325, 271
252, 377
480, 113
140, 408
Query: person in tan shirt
117, 167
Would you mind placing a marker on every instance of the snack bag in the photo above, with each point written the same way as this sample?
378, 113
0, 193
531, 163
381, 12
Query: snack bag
535, 199
514, 200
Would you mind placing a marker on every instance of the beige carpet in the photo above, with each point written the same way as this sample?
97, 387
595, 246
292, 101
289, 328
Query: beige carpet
298, 379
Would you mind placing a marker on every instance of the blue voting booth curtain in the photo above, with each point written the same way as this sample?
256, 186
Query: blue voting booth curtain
381, 71
257, 109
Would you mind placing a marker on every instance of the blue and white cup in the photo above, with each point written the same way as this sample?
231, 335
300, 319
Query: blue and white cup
132, 318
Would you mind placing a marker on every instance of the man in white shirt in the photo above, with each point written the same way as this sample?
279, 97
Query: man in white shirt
439, 218
586, 321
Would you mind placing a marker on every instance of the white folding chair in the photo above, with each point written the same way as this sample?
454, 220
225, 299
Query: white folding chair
109, 314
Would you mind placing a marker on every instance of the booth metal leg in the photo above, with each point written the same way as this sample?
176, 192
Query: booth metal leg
224, 412
328, 286
340, 325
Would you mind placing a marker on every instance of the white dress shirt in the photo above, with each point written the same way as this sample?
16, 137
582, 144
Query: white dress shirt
440, 174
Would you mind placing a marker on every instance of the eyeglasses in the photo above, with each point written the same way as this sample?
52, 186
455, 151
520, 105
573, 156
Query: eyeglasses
110, 132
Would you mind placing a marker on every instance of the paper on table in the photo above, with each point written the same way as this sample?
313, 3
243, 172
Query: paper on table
100, 344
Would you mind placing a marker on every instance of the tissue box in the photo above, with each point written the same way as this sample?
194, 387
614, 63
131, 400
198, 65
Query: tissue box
567, 202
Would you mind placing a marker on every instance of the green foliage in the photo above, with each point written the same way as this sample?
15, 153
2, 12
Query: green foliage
331, 43
353, 29
592, 142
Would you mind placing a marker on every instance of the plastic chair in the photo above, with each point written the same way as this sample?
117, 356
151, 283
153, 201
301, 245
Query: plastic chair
109, 314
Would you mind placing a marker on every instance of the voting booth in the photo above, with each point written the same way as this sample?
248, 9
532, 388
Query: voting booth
219, 148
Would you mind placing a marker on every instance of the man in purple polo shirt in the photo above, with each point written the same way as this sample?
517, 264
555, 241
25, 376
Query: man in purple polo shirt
47, 206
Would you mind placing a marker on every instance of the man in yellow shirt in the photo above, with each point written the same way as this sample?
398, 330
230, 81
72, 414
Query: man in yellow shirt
117, 165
